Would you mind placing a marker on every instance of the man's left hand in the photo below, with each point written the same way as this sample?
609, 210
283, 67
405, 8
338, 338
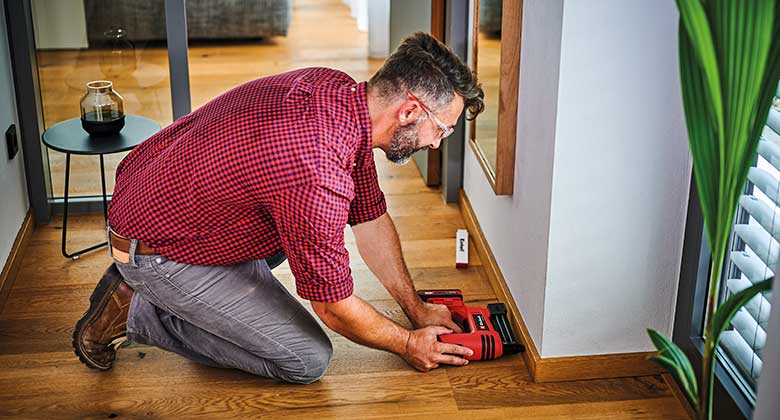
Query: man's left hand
429, 314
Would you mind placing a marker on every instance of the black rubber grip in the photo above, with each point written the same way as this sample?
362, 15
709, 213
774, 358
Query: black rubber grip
500, 323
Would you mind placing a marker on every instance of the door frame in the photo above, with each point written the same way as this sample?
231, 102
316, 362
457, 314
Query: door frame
29, 107
438, 22
456, 36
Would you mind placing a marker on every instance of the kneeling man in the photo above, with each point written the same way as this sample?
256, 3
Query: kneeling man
279, 164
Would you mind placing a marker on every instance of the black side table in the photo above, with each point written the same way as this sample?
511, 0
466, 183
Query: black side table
68, 137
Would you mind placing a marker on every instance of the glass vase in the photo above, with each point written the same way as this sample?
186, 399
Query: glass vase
119, 56
102, 111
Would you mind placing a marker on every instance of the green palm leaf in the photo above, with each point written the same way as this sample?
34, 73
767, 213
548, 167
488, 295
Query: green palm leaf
729, 70
726, 311
676, 362
727, 83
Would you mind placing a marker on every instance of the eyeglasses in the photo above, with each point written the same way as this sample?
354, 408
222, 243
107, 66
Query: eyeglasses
444, 131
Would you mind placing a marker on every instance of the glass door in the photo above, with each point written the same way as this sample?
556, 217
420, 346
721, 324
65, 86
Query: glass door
78, 41
231, 43
160, 53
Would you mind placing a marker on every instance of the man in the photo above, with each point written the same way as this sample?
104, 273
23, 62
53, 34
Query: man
281, 163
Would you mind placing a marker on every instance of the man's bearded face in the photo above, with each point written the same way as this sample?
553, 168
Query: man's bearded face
404, 143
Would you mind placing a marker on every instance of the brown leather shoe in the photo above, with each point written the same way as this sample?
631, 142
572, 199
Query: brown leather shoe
103, 328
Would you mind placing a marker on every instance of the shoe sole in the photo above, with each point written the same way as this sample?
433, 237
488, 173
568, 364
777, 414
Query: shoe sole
97, 302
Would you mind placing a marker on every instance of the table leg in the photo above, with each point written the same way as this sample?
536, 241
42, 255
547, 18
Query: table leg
103, 183
77, 254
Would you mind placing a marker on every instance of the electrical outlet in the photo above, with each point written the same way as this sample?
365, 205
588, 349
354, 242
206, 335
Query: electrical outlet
12, 141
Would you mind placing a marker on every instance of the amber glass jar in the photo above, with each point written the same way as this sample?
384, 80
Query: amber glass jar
102, 112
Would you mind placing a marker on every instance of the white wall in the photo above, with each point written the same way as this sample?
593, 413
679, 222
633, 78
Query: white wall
59, 24
373, 16
378, 28
358, 9
13, 188
517, 226
621, 176
590, 243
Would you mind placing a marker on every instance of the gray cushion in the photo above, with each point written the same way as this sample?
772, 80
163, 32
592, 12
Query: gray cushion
144, 20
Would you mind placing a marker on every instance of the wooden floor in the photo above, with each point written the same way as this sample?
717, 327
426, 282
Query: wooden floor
40, 378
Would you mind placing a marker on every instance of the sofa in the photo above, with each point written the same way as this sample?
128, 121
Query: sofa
144, 20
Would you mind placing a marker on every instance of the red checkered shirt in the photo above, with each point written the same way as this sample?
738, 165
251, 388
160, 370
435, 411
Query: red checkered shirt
279, 163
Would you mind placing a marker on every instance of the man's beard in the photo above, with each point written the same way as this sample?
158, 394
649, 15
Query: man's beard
404, 144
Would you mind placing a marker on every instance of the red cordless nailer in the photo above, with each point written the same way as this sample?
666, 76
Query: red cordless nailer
485, 331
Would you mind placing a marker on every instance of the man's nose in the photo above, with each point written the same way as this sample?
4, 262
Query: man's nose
436, 143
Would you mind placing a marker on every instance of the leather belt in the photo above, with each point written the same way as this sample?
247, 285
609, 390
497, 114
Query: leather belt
122, 244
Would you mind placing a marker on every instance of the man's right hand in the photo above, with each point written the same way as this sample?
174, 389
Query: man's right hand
355, 319
425, 352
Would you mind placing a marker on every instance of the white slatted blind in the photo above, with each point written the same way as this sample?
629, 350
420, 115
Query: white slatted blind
755, 251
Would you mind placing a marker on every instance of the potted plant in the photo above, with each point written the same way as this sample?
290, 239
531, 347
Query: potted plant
729, 69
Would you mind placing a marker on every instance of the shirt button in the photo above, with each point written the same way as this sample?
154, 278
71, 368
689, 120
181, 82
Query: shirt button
158, 260
353, 89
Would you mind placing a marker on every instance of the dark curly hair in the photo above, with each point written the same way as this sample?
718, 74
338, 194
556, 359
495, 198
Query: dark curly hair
431, 71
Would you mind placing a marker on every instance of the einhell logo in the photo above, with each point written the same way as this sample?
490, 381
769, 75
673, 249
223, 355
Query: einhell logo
479, 320
462, 248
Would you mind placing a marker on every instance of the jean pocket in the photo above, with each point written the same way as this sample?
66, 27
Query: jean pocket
168, 268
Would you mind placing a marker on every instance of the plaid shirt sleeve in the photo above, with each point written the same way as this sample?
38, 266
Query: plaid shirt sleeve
369, 202
311, 221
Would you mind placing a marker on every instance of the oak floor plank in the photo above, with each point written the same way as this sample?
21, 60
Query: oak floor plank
34, 302
652, 409
472, 281
424, 227
477, 386
169, 387
37, 335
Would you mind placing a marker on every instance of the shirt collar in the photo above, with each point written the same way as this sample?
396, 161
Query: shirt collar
360, 105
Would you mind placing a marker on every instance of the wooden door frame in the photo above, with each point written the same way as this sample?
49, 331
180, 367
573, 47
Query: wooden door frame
438, 22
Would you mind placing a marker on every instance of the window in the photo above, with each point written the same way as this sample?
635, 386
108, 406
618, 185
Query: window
755, 248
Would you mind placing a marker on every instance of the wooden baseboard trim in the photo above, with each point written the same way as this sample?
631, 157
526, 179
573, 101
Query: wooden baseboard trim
14, 261
496, 279
553, 369
600, 366
679, 395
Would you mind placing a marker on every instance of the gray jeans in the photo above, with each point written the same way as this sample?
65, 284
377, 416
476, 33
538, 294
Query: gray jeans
236, 316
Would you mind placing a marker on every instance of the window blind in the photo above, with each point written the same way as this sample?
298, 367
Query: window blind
755, 249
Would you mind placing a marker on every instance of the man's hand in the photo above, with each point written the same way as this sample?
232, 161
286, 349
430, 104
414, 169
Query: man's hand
429, 314
355, 319
424, 352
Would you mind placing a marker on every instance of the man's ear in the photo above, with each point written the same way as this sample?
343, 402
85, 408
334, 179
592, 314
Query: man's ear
408, 113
